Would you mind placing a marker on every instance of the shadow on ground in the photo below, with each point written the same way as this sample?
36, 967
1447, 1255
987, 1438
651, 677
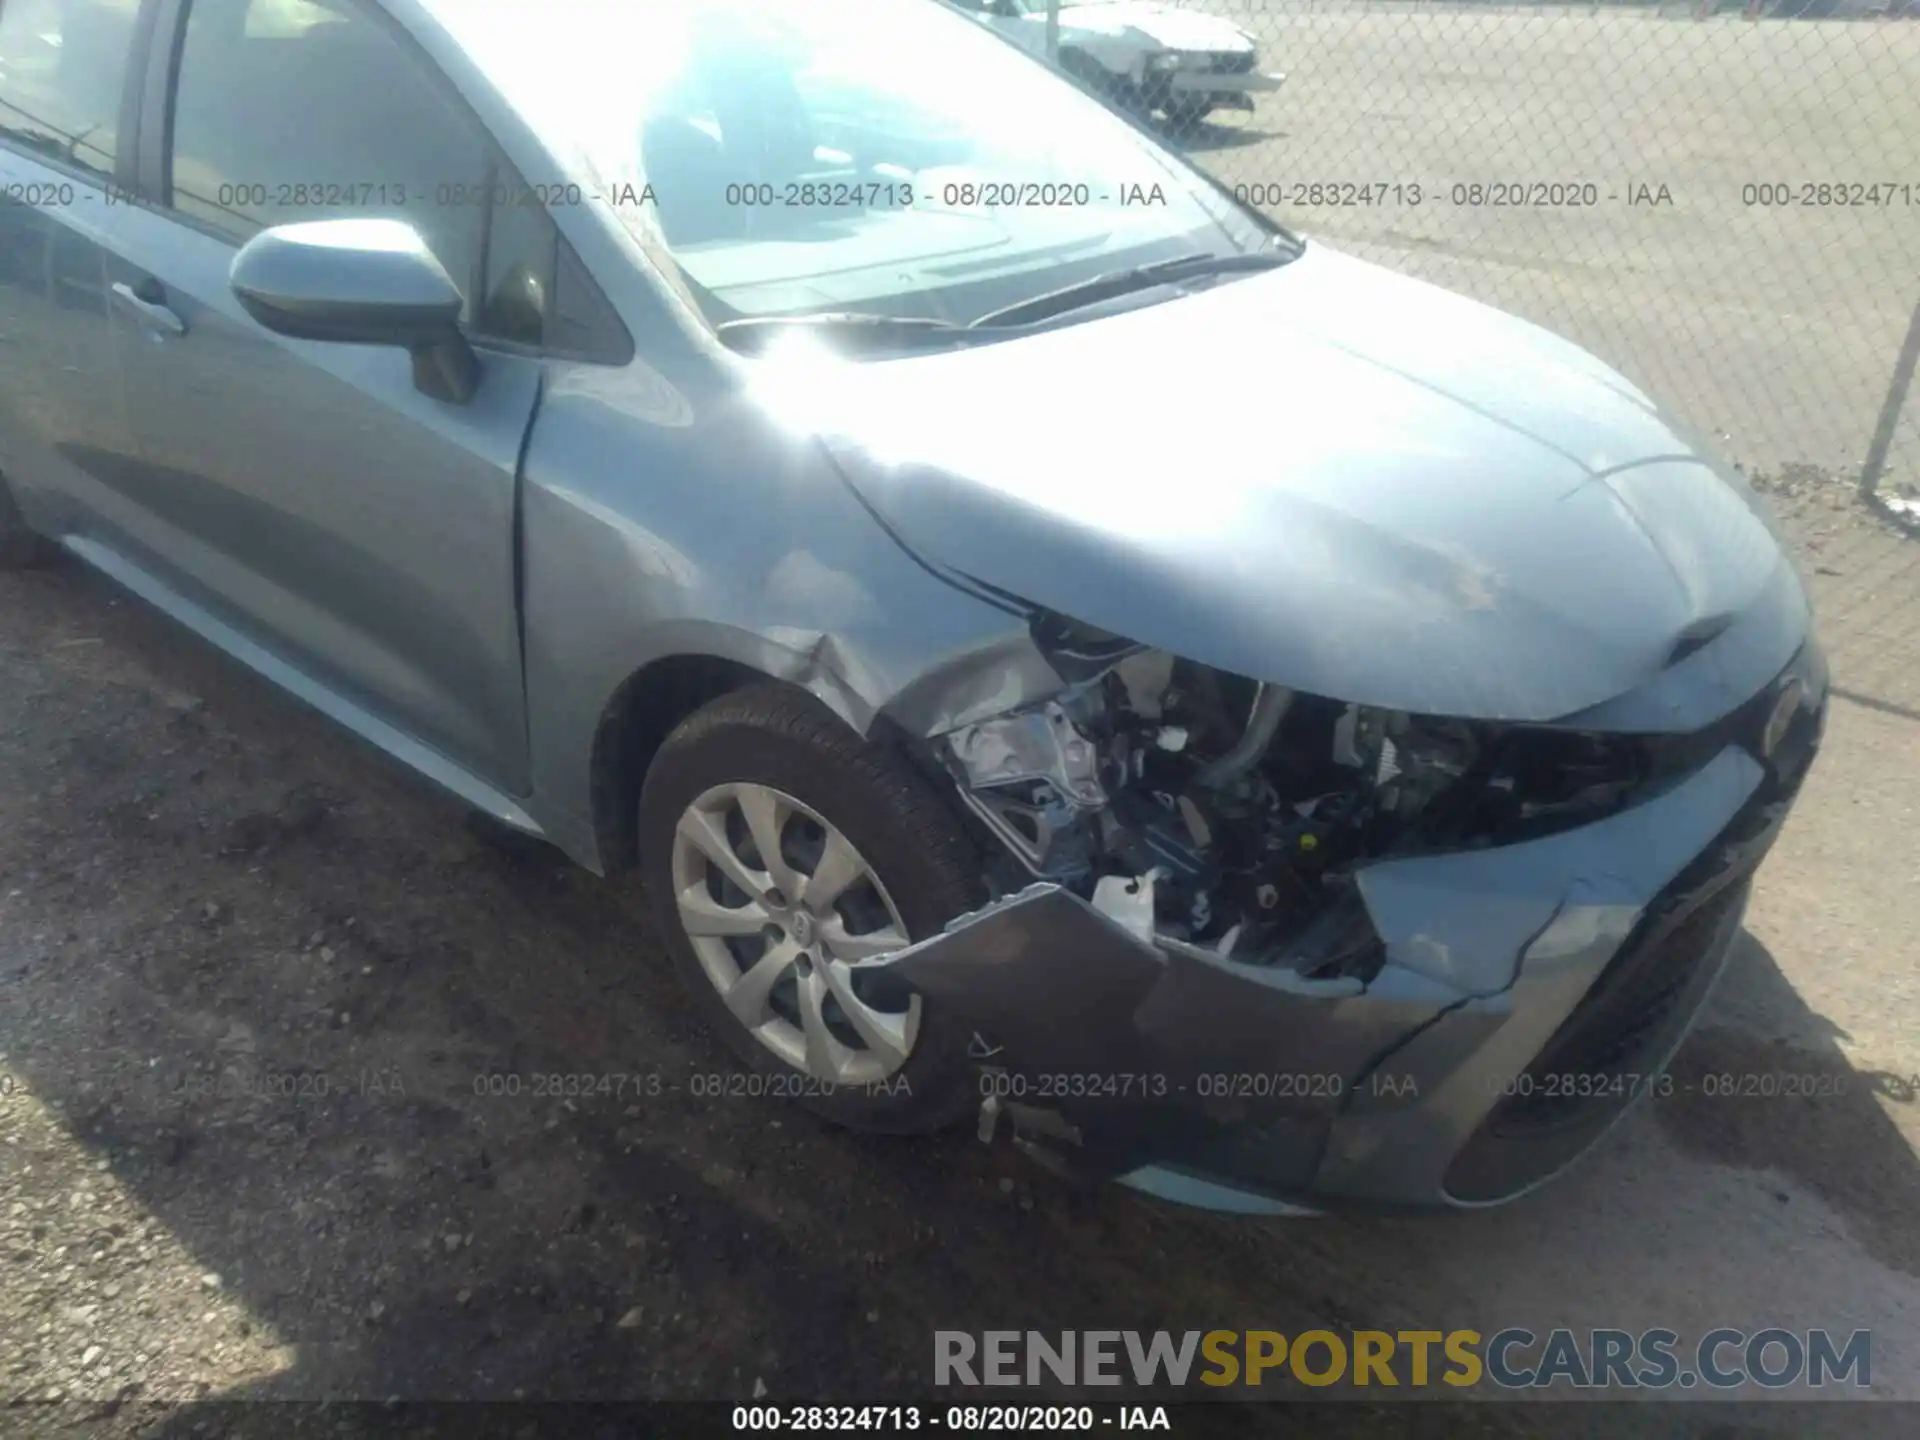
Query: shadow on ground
1201, 137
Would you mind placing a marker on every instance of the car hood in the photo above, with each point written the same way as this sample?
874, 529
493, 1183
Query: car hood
1175, 29
1330, 477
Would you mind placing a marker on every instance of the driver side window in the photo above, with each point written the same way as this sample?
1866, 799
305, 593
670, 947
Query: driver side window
297, 110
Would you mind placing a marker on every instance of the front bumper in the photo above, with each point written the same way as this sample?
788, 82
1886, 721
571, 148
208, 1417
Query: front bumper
1221, 84
1529, 994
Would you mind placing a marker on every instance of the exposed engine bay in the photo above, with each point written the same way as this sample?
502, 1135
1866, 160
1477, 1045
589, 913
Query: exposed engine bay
1205, 809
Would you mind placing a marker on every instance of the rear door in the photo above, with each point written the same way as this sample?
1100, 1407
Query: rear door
308, 494
65, 152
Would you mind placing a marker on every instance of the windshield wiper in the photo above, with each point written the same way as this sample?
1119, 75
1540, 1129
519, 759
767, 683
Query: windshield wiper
1121, 282
753, 332
865, 329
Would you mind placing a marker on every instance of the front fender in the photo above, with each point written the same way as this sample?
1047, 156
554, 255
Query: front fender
707, 529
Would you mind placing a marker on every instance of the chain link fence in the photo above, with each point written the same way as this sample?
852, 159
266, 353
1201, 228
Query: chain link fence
1719, 197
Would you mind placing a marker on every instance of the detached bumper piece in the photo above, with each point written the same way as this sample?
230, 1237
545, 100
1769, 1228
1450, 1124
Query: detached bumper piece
1528, 994
1118, 1053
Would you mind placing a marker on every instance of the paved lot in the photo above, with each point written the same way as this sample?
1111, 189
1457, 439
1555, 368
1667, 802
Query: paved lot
200, 881
1776, 325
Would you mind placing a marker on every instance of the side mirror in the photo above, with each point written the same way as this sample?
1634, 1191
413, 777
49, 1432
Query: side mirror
360, 282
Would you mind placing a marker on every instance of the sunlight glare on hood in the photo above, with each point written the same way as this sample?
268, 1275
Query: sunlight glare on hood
809, 388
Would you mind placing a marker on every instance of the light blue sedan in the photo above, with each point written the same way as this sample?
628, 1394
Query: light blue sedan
1056, 647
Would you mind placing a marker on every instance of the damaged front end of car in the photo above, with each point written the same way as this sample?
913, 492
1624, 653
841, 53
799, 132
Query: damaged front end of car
1259, 949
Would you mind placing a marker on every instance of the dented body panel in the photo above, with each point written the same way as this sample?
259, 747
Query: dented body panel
1409, 501
1245, 1087
662, 518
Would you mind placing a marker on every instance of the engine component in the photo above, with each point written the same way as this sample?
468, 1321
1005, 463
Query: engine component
1208, 810
1032, 777
1270, 706
1033, 745
1128, 902
1147, 677
1142, 831
1353, 736
1048, 839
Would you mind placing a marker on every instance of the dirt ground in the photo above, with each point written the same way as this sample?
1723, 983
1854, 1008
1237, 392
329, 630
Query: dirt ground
254, 981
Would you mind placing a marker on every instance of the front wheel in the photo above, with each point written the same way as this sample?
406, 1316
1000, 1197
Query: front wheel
778, 849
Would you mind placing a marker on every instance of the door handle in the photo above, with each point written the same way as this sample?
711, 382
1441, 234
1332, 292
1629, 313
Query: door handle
154, 313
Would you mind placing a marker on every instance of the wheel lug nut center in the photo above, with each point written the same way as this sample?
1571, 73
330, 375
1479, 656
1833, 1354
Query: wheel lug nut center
800, 926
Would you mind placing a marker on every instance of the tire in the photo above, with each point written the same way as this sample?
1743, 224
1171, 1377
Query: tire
20, 548
772, 738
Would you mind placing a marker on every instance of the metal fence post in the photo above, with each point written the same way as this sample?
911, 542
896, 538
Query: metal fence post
1890, 412
1053, 30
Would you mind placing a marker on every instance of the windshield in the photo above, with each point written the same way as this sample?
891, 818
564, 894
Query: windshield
885, 156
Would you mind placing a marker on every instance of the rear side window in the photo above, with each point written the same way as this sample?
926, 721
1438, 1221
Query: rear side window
63, 66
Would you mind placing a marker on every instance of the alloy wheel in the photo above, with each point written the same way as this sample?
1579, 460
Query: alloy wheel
779, 906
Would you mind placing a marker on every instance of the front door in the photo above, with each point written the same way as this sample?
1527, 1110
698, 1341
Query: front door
308, 493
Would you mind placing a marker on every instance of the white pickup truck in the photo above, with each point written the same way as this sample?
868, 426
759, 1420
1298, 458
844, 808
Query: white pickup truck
1144, 56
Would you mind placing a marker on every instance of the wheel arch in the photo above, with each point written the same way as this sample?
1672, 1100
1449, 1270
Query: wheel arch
625, 718
646, 708
657, 697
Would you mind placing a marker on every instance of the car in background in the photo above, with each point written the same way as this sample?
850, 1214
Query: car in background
1143, 57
